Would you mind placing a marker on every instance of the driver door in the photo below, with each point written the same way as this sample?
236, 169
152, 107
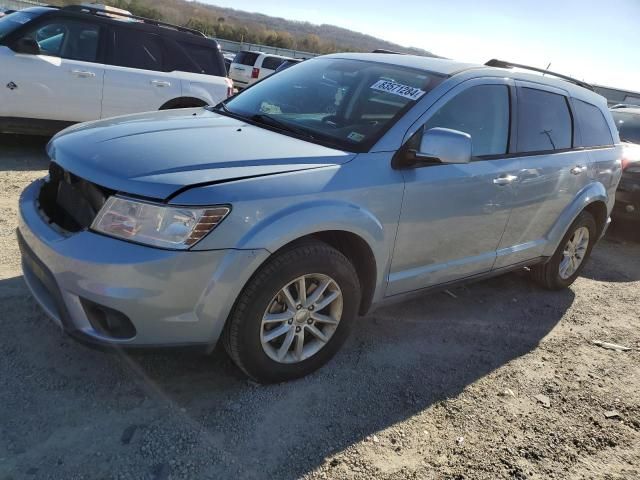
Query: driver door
454, 215
64, 82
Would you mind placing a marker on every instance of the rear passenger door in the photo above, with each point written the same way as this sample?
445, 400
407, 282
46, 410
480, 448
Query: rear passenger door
135, 79
554, 169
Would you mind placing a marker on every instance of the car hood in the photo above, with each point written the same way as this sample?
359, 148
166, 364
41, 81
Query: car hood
156, 154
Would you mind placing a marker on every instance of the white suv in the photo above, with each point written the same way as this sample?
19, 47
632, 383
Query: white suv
249, 67
67, 65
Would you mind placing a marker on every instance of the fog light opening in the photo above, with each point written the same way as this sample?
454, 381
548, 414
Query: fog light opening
107, 321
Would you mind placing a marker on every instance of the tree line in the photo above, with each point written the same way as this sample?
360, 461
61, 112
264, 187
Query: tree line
221, 27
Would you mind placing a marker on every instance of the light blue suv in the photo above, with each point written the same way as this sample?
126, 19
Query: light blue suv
275, 218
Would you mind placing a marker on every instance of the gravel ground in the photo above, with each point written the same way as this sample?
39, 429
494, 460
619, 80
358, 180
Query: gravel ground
441, 386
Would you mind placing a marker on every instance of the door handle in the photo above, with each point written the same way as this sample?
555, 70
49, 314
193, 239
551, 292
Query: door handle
578, 169
83, 73
160, 83
505, 179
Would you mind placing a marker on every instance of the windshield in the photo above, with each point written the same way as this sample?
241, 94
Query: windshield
338, 102
628, 126
14, 20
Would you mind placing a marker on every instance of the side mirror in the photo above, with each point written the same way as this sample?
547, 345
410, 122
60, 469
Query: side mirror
26, 46
445, 146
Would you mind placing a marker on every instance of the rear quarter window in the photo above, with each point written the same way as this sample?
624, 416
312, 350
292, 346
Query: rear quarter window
204, 59
594, 128
544, 121
246, 58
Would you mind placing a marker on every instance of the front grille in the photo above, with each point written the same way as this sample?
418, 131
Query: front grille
69, 201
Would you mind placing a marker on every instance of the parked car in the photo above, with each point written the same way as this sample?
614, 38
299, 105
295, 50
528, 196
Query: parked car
288, 63
66, 65
627, 118
228, 60
249, 67
275, 218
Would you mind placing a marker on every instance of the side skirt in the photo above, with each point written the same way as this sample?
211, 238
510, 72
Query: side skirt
32, 126
402, 297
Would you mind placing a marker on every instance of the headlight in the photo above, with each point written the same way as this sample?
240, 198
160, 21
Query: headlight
157, 225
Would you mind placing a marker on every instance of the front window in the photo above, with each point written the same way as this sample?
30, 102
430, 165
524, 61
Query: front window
338, 102
482, 112
65, 38
13, 21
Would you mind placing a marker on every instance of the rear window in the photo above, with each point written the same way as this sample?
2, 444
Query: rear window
593, 126
628, 125
544, 121
136, 49
205, 60
272, 63
246, 58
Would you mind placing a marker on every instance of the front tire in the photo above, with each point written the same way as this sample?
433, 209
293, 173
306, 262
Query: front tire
294, 314
571, 255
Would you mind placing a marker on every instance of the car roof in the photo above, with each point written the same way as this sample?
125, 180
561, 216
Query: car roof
167, 30
448, 67
442, 66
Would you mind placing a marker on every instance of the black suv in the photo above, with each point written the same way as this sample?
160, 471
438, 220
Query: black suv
627, 118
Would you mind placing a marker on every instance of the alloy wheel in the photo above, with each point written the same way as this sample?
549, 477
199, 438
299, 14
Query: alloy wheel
301, 318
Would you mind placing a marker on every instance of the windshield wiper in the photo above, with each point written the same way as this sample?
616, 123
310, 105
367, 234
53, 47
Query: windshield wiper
274, 122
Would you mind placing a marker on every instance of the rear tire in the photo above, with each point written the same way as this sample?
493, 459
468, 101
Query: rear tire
255, 316
571, 255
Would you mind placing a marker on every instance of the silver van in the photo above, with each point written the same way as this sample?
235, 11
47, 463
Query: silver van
273, 219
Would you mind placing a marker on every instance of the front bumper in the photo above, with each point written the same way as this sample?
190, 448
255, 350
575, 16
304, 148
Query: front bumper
172, 298
627, 205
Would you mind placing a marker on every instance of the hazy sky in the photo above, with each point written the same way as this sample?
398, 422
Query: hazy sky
594, 40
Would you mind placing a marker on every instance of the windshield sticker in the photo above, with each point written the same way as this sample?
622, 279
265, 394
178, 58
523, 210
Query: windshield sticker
355, 136
394, 88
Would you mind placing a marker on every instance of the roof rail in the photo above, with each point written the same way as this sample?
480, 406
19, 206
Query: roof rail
101, 12
384, 50
624, 105
504, 64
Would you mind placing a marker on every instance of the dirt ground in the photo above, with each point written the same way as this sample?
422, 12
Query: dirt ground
438, 387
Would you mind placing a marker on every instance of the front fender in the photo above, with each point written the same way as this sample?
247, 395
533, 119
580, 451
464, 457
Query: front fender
594, 192
299, 220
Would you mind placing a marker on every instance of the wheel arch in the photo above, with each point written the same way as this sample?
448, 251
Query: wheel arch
357, 251
183, 102
593, 199
598, 209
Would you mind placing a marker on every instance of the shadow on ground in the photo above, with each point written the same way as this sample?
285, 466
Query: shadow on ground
23, 153
608, 263
72, 411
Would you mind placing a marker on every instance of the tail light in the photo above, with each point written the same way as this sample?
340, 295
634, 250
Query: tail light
255, 72
229, 87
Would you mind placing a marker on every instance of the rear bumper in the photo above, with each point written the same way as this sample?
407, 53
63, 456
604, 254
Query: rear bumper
172, 298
